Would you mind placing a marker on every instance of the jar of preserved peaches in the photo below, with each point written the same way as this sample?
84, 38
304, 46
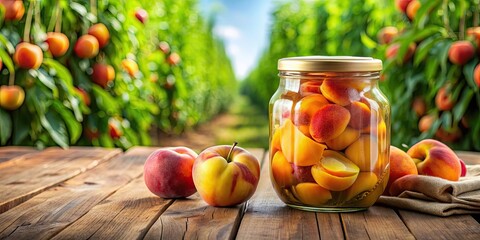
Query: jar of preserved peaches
329, 133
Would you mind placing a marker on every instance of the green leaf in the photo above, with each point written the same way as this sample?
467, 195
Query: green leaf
367, 41
5, 127
7, 44
6, 60
462, 105
424, 48
468, 72
74, 127
105, 100
47, 80
56, 128
62, 72
21, 127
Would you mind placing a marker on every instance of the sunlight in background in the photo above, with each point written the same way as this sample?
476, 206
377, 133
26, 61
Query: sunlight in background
243, 25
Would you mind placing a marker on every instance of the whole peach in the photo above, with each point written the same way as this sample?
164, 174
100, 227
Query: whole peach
443, 99
392, 51
402, 5
141, 15
461, 52
434, 158
387, 34
329, 122
130, 66
173, 59
11, 97
14, 9
57, 43
426, 122
401, 164
412, 9
168, 172
28, 56
464, 168
103, 74
86, 46
100, 31
419, 106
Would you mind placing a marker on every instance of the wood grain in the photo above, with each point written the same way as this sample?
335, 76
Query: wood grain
267, 217
127, 214
375, 223
424, 226
35, 172
192, 218
10, 152
330, 226
52, 210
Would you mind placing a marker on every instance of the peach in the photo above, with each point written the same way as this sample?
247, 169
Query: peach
419, 106
86, 46
302, 174
401, 164
346, 138
434, 158
28, 56
312, 194
173, 59
464, 168
11, 97
1, 64
426, 122
363, 152
282, 171
476, 75
387, 34
365, 182
475, 33
114, 129
226, 175
339, 92
168, 172
443, 99
392, 51
275, 144
448, 136
58, 43
360, 115
14, 9
310, 87
329, 122
84, 95
461, 52
164, 47
298, 148
335, 172
141, 15
412, 9
402, 5
103, 74
304, 110
130, 66
101, 33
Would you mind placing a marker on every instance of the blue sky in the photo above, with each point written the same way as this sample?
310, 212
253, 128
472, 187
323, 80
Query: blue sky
244, 27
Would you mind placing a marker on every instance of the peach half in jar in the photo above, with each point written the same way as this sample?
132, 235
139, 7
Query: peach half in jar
335, 172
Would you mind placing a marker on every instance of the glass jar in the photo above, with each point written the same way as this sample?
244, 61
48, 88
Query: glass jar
329, 133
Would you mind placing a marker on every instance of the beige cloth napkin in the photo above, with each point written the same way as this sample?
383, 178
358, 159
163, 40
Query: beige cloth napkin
438, 196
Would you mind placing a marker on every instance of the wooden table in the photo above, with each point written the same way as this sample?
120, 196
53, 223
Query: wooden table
98, 193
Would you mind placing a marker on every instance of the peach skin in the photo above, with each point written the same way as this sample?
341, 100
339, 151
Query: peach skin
310, 87
305, 109
434, 158
312, 194
298, 148
401, 164
275, 142
335, 172
346, 138
363, 152
329, 122
282, 171
360, 115
339, 92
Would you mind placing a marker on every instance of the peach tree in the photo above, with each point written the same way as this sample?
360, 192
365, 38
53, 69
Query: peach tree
105, 73
429, 72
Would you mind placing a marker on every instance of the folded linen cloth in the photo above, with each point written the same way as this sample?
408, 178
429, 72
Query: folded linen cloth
435, 195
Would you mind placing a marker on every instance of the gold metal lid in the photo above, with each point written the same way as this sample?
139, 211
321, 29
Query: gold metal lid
329, 64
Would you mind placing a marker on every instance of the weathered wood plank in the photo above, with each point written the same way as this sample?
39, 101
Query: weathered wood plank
127, 214
330, 226
469, 157
35, 172
10, 152
192, 218
267, 217
52, 210
424, 226
375, 223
